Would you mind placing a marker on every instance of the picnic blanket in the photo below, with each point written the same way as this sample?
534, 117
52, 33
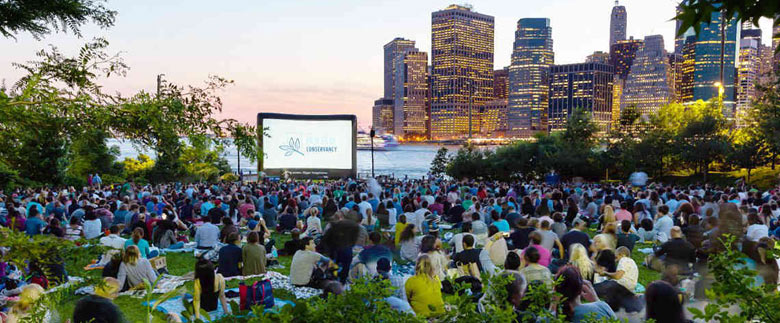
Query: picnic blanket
175, 305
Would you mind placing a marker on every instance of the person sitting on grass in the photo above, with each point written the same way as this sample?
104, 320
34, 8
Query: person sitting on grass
287, 221
95, 309
423, 290
253, 255
230, 256
573, 289
305, 269
139, 242
618, 290
533, 271
134, 269
626, 238
209, 288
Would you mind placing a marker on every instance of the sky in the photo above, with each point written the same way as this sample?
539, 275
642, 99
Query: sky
313, 56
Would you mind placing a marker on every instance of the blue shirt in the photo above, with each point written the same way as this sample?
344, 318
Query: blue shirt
207, 235
229, 258
205, 207
143, 246
36, 204
502, 225
34, 226
596, 310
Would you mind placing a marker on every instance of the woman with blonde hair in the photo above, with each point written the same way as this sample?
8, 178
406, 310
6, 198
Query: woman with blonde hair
608, 217
423, 290
607, 239
313, 223
134, 269
578, 257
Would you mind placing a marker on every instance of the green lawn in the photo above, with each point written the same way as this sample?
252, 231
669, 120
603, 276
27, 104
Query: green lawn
183, 263
178, 264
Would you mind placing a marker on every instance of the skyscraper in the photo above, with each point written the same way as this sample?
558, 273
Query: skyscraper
493, 120
392, 49
410, 116
382, 116
586, 86
679, 40
648, 84
462, 69
747, 76
685, 83
529, 77
501, 83
708, 70
617, 24
621, 56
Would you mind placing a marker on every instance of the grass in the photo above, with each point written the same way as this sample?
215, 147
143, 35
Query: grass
183, 263
178, 264
762, 177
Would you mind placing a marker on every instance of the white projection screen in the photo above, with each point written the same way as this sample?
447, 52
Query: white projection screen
308, 146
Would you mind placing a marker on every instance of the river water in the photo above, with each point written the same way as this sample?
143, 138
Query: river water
405, 160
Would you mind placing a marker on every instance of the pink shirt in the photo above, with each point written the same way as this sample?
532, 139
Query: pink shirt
544, 254
623, 215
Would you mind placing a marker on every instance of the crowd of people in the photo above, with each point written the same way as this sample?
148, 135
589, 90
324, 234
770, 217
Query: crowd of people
584, 236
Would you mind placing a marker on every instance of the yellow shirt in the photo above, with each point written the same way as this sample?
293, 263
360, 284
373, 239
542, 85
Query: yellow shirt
424, 292
399, 227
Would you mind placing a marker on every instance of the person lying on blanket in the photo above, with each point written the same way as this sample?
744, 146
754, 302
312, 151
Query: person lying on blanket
209, 287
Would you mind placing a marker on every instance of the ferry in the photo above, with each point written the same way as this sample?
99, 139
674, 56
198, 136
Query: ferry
381, 142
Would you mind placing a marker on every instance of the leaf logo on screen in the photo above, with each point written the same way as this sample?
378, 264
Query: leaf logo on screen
292, 147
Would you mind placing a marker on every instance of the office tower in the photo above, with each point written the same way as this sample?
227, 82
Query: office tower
411, 95
392, 49
747, 77
765, 73
462, 69
679, 40
501, 83
648, 85
382, 116
675, 69
586, 86
529, 77
617, 24
776, 42
685, 84
621, 56
493, 119
598, 57
708, 70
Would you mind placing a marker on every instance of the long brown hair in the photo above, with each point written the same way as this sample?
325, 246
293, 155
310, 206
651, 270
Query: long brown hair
138, 233
408, 233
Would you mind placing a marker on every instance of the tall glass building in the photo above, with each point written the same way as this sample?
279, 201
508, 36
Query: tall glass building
529, 78
708, 66
617, 24
586, 86
462, 69
747, 76
410, 115
382, 116
392, 49
621, 56
648, 85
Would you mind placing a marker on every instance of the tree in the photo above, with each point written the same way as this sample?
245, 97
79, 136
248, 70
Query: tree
766, 115
702, 142
580, 129
468, 162
39, 17
439, 163
90, 154
60, 100
694, 13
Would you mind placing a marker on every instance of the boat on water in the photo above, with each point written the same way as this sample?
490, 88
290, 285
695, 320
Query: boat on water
382, 142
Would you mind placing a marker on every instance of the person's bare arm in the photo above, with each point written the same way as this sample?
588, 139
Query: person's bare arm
560, 248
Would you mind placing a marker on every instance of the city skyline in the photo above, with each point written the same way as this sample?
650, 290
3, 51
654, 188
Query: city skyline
189, 42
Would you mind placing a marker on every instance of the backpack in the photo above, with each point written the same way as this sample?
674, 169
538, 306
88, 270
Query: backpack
260, 292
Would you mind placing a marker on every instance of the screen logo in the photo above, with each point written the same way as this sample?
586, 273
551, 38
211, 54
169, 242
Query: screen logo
292, 147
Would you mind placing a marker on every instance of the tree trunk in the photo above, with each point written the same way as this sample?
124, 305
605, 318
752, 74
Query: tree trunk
706, 169
748, 177
774, 156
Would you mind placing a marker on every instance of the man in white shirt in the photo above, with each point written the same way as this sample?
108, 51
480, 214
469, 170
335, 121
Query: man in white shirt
618, 291
664, 223
113, 240
364, 205
419, 215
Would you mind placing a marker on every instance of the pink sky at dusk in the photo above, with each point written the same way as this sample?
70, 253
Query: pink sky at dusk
315, 57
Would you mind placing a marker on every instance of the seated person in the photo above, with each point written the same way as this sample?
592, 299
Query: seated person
92, 308
207, 235
227, 228
305, 269
373, 252
139, 242
675, 252
618, 289
287, 221
519, 236
457, 240
533, 271
398, 300
423, 290
208, 289
135, 269
292, 246
625, 238
545, 255
253, 255
471, 255
230, 256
